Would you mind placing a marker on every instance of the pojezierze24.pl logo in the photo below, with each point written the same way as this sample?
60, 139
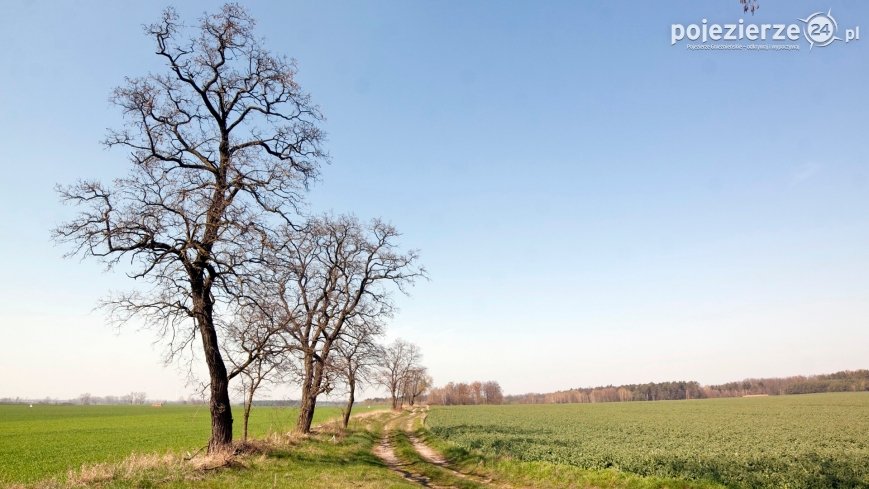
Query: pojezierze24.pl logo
819, 30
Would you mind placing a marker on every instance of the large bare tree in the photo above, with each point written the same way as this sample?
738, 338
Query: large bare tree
222, 144
337, 272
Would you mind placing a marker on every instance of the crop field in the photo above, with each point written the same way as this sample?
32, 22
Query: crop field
46, 441
819, 440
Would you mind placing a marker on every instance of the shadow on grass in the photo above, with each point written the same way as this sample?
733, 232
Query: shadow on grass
353, 449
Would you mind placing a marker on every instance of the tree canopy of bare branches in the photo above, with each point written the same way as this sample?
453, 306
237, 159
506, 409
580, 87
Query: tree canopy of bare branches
222, 145
416, 382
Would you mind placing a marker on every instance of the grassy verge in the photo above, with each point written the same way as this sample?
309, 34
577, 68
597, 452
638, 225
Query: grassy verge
47, 441
328, 458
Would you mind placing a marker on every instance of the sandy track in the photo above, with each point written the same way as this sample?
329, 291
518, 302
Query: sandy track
433, 457
386, 453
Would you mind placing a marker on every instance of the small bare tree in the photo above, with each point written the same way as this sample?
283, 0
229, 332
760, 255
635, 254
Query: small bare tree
222, 145
397, 362
255, 349
261, 371
356, 356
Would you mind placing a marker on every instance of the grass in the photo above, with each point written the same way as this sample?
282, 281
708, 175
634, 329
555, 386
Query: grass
330, 459
788, 441
791, 441
47, 441
551, 475
316, 462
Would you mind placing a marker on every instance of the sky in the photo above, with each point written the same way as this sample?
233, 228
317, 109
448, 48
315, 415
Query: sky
593, 204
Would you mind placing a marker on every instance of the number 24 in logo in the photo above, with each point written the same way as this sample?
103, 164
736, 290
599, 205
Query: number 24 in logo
820, 30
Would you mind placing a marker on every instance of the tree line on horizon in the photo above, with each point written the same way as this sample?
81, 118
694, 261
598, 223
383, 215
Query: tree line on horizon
461, 393
843, 381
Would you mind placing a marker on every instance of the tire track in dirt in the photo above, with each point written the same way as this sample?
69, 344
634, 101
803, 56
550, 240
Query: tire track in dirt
386, 453
431, 456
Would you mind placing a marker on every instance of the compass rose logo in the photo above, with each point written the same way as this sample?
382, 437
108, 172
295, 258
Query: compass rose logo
820, 29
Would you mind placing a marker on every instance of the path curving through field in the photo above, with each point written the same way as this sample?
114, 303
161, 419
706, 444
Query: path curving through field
405, 422
386, 453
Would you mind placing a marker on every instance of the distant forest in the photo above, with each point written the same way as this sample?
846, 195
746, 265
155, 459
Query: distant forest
844, 381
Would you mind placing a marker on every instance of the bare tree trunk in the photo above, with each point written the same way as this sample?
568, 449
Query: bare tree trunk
248, 403
309, 415
310, 389
221, 411
350, 400
316, 383
306, 412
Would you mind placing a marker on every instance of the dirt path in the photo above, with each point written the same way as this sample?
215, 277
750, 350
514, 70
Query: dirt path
385, 452
406, 423
426, 452
432, 456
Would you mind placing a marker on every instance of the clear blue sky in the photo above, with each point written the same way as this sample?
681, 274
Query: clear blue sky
593, 204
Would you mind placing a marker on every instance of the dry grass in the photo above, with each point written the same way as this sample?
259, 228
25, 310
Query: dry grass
168, 467
135, 464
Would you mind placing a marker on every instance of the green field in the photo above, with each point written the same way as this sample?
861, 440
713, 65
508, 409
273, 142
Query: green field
46, 441
817, 440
